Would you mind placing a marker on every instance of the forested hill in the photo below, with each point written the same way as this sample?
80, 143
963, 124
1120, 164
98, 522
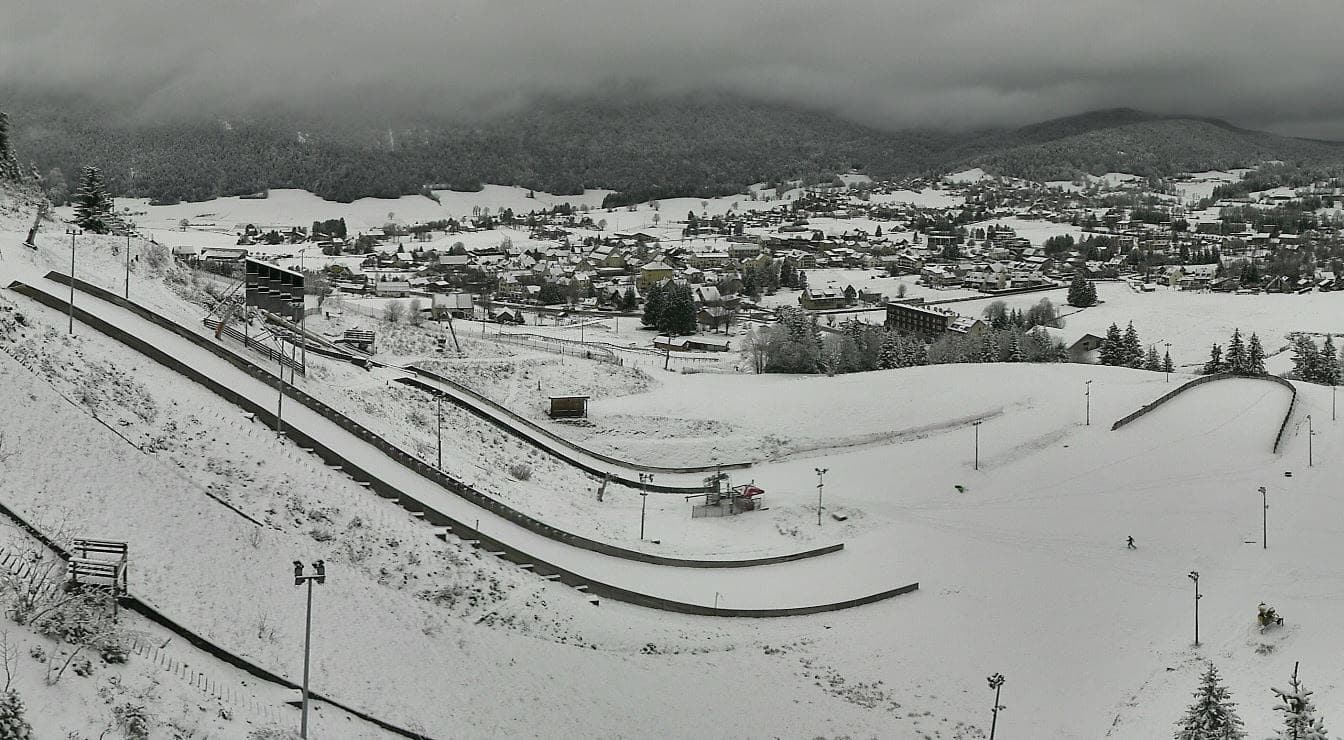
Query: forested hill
696, 146
1137, 143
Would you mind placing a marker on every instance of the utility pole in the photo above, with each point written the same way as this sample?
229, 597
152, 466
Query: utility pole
976, 425
72, 231
821, 482
438, 427
1194, 576
1264, 520
996, 683
319, 575
1088, 394
644, 480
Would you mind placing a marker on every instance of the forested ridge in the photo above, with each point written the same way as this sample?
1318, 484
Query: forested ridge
695, 146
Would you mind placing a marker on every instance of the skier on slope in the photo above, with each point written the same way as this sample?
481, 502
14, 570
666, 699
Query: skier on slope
1129, 544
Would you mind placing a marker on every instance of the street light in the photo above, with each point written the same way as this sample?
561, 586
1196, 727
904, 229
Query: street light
73, 232
1310, 434
1166, 366
1088, 394
1264, 520
996, 683
1194, 576
127, 294
644, 480
821, 481
976, 425
319, 575
438, 426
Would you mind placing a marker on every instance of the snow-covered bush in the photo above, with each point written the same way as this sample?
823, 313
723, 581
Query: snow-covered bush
521, 471
12, 724
133, 719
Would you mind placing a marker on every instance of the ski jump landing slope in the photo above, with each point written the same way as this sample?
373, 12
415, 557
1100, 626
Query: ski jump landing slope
675, 480
263, 372
797, 587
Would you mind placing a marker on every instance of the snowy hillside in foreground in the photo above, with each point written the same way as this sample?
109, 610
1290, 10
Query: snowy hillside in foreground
1024, 572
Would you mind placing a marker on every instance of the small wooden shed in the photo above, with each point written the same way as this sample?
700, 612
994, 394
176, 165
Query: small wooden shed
568, 407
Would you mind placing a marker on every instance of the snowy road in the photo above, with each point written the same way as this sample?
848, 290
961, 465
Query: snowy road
790, 585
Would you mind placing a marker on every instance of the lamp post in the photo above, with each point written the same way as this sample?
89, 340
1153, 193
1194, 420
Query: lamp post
320, 576
1166, 368
280, 387
976, 425
821, 482
1310, 434
996, 683
1264, 520
1087, 420
73, 232
1194, 576
438, 426
127, 294
644, 480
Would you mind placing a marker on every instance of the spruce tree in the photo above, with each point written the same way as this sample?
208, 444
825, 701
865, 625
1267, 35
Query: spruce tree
1255, 357
989, 351
1167, 367
1133, 349
93, 207
1329, 362
1215, 363
653, 305
889, 356
1081, 291
1299, 714
1015, 346
1112, 347
1151, 361
1213, 716
9, 166
1306, 358
629, 301
1237, 360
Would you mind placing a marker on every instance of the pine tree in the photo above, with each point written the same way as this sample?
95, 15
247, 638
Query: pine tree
1213, 716
13, 726
1299, 714
1329, 362
629, 301
1306, 358
1167, 367
1133, 351
9, 166
1081, 291
1255, 357
1237, 360
1151, 361
93, 207
1215, 363
989, 352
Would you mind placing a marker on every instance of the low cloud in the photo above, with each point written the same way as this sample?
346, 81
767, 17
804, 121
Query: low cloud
965, 64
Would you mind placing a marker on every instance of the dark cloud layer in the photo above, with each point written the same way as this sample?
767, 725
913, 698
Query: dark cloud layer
886, 62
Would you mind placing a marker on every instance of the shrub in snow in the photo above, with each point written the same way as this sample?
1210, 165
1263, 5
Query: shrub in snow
521, 471
271, 733
134, 720
12, 724
1213, 716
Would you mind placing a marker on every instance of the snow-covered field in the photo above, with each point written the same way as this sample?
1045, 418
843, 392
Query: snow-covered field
1015, 529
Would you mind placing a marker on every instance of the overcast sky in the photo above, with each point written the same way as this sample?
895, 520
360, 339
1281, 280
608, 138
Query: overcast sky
1257, 63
